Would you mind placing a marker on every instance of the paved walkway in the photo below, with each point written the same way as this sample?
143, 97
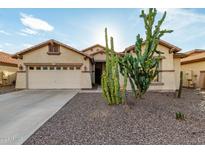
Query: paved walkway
23, 112
97, 89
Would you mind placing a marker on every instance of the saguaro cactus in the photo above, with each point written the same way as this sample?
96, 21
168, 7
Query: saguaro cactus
143, 68
110, 76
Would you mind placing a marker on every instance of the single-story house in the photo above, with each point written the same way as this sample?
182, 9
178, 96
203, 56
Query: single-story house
54, 65
193, 67
8, 68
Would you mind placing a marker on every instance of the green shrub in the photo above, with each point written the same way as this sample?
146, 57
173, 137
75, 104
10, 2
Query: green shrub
180, 116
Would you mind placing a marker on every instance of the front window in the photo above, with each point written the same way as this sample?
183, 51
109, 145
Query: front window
45, 68
31, 68
53, 49
52, 67
71, 68
78, 67
65, 68
58, 68
38, 68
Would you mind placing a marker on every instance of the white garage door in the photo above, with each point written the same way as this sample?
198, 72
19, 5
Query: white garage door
54, 78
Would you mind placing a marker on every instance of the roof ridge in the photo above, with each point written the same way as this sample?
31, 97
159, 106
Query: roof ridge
47, 42
177, 49
92, 46
190, 52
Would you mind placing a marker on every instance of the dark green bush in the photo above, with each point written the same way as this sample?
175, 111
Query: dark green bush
180, 116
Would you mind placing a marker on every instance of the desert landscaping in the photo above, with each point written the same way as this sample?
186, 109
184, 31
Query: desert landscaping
87, 119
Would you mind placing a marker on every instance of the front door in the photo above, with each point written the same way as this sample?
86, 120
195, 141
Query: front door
98, 72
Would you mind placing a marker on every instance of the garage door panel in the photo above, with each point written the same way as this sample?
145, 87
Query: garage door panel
54, 79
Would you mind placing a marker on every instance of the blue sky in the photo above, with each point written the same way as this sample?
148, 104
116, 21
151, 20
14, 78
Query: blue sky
80, 28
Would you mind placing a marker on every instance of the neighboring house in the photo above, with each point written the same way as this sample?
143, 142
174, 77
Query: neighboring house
8, 68
54, 65
169, 69
193, 67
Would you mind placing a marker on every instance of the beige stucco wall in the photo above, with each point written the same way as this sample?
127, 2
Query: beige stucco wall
8, 68
177, 67
101, 57
7, 74
40, 56
21, 80
192, 71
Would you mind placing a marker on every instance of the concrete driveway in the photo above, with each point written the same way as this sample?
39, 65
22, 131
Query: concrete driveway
23, 112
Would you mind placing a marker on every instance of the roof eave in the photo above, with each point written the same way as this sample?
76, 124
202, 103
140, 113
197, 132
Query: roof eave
9, 64
179, 55
172, 48
95, 45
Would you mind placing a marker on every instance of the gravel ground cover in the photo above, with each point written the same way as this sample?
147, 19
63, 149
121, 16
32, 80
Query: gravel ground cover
87, 119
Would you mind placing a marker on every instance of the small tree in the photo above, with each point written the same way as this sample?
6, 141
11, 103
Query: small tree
143, 68
110, 76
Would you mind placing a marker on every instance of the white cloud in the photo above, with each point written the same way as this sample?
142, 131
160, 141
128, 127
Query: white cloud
187, 24
29, 31
34, 23
4, 32
22, 34
180, 18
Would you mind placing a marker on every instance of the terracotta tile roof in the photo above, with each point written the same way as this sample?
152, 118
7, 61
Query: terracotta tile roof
7, 59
